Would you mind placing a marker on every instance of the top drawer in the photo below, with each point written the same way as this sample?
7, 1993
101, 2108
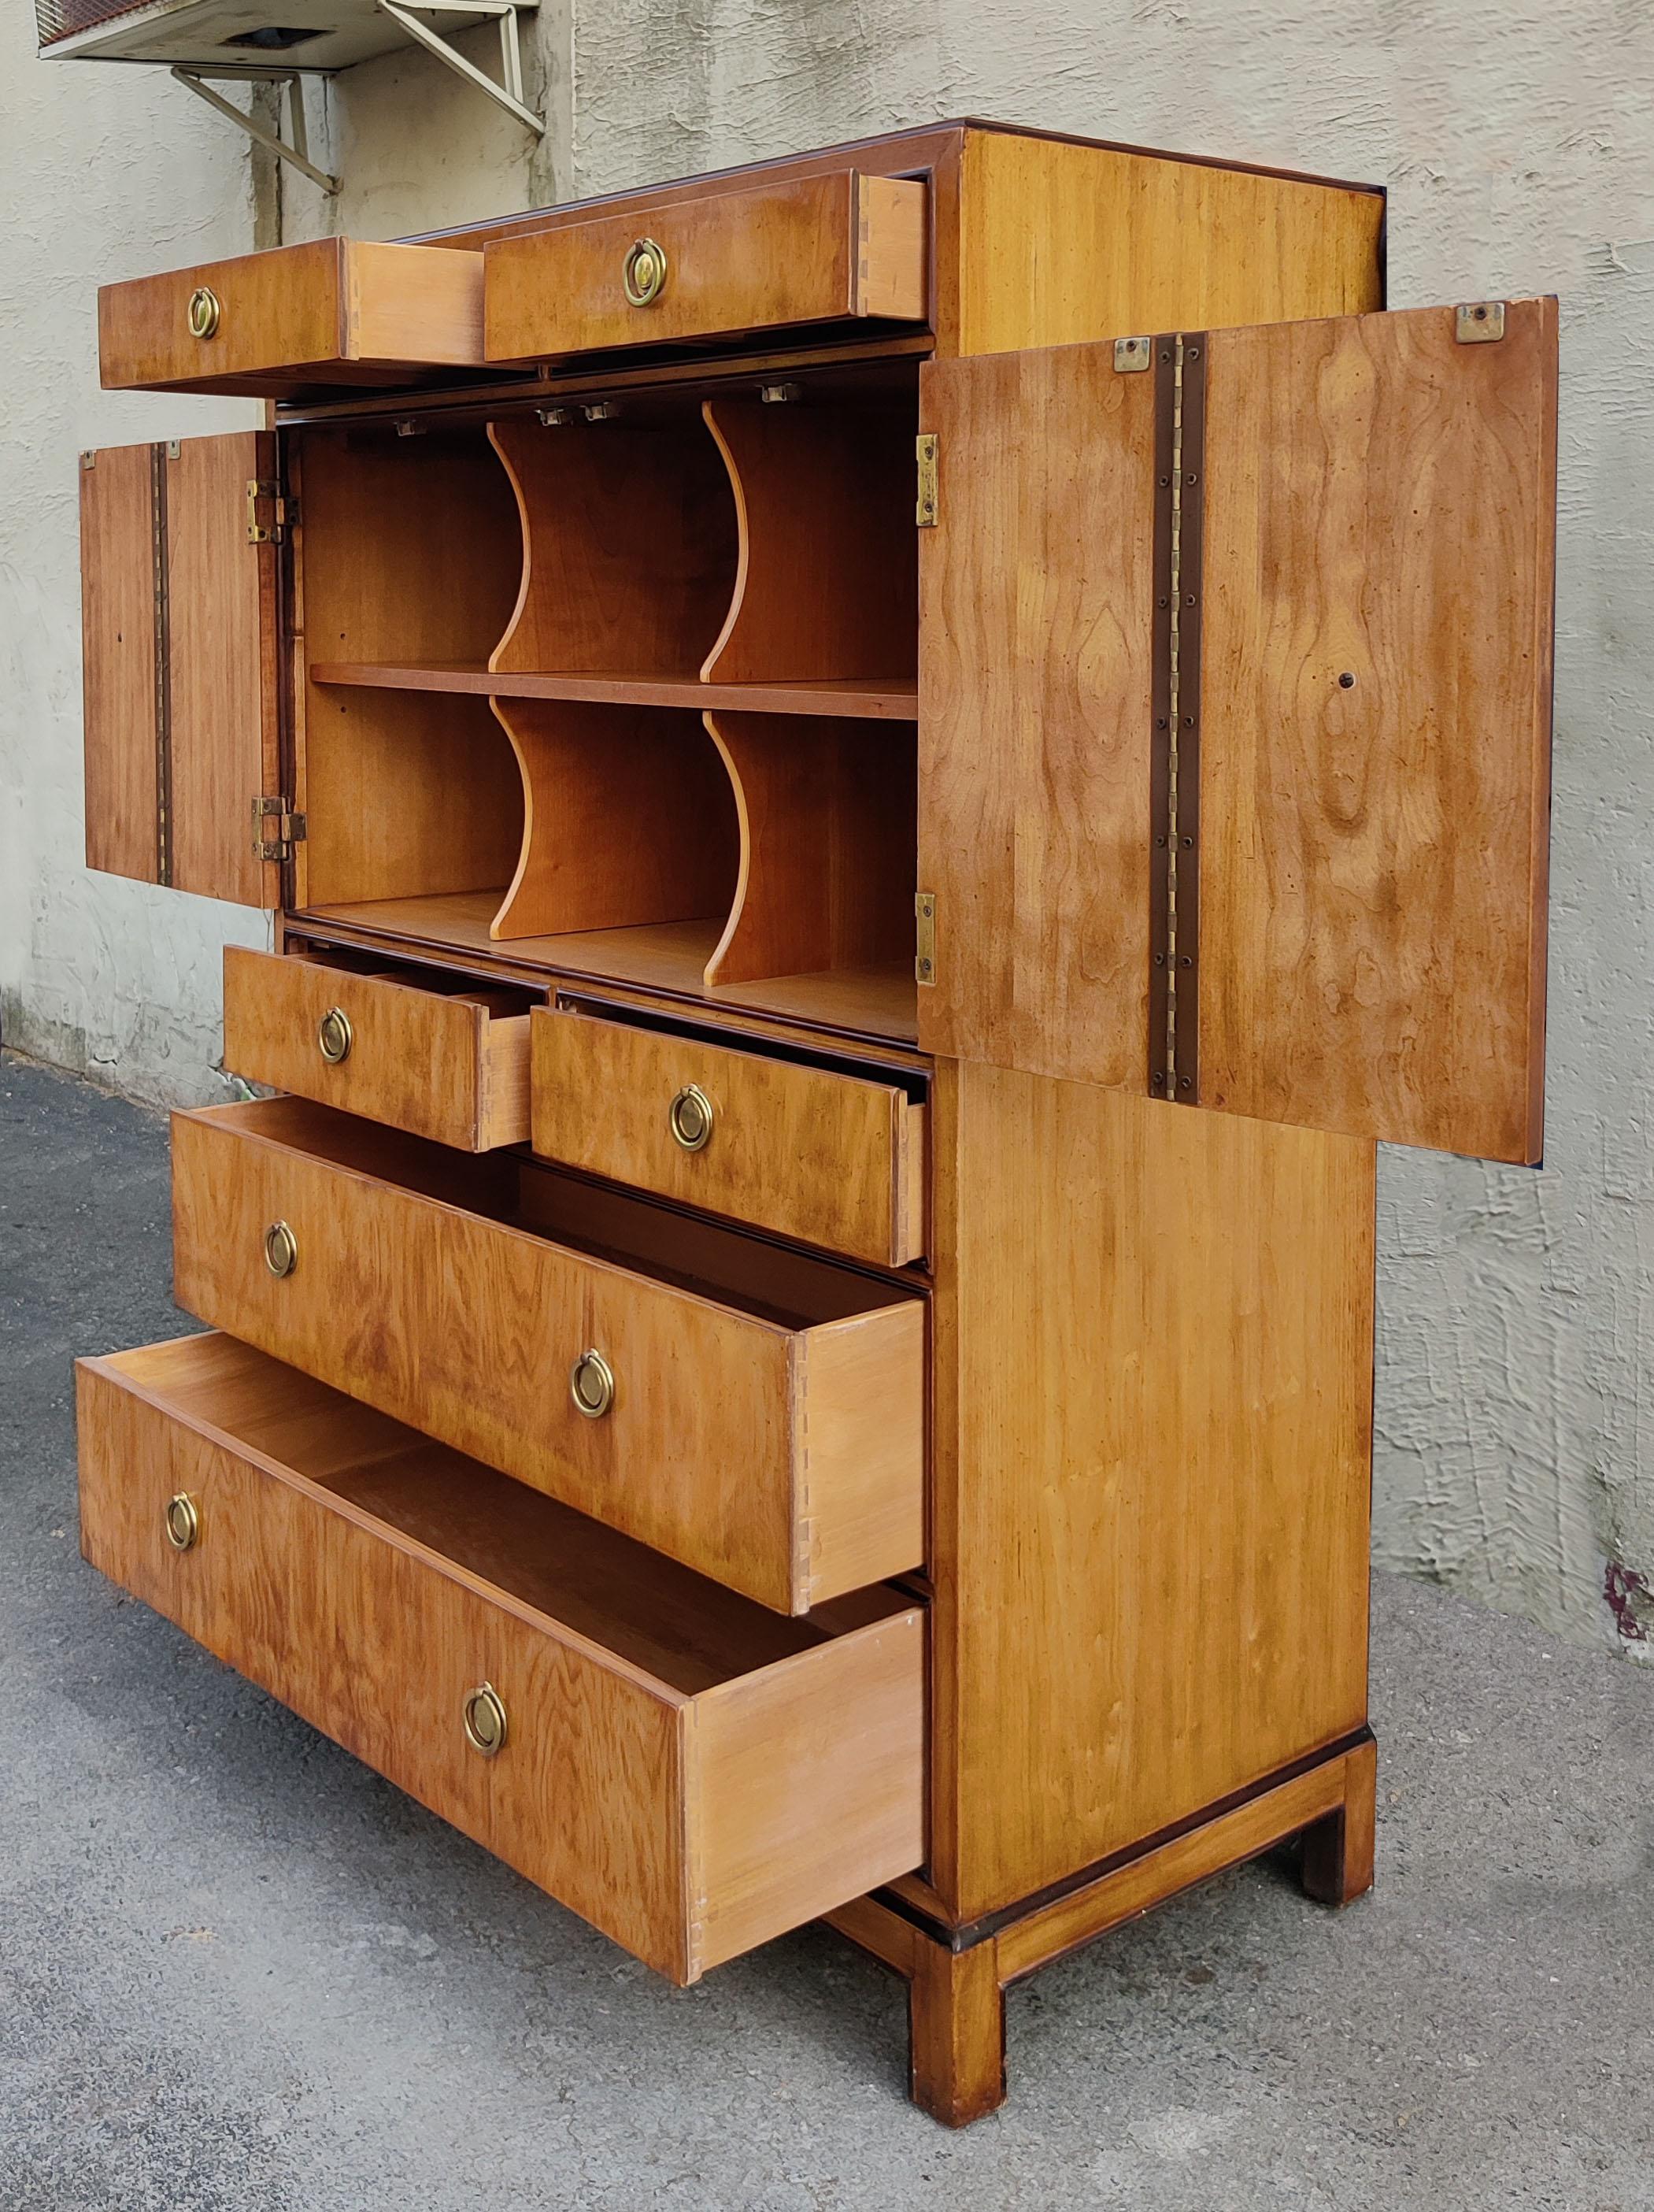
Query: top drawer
820, 250
332, 311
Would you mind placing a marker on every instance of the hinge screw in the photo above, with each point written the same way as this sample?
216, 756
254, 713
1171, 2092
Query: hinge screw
1346, 682
1184, 1084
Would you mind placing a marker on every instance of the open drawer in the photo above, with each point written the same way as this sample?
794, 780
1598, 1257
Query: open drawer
807, 1150
690, 1773
811, 250
749, 1410
333, 312
452, 1065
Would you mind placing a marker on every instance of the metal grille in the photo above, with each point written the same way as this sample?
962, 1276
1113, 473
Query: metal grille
61, 19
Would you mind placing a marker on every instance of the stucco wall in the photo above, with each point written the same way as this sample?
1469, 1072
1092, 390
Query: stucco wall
1515, 1431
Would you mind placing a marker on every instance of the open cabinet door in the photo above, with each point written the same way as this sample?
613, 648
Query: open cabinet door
178, 607
1234, 718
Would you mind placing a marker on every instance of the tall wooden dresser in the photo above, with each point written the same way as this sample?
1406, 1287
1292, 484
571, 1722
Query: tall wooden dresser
877, 774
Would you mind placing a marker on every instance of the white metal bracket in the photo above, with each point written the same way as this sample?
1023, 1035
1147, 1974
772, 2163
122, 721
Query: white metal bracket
298, 153
508, 95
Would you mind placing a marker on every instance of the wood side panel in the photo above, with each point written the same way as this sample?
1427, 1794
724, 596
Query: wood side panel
628, 819
221, 661
412, 303
827, 812
117, 661
855, 1415
417, 1060
771, 257
802, 1151
367, 1637
468, 1327
841, 1728
1380, 530
1060, 242
1035, 637
1149, 1525
828, 578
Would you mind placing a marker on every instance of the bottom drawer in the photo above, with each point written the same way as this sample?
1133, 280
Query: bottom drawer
689, 1771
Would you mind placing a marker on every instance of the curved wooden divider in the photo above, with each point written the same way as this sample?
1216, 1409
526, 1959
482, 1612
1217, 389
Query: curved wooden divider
826, 578
627, 818
828, 812
629, 545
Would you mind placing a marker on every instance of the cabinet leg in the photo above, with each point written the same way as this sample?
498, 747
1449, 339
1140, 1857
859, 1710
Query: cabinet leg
956, 2024
1338, 1850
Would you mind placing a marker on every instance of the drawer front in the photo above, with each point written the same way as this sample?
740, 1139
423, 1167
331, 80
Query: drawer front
453, 1069
687, 1826
782, 1457
330, 311
834, 1159
819, 250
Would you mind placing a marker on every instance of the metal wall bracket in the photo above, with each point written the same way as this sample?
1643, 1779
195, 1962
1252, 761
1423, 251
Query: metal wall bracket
509, 95
297, 152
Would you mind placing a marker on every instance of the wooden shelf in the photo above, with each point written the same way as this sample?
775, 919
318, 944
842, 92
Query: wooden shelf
864, 698
667, 957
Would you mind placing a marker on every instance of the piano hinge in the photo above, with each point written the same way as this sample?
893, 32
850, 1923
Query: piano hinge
290, 829
925, 910
285, 511
926, 448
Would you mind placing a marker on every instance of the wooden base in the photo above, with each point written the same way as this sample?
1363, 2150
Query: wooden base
957, 1978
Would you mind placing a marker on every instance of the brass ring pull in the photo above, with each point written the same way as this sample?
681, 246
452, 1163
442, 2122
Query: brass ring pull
204, 312
591, 1385
484, 1715
333, 1036
689, 1117
182, 1520
281, 1249
644, 271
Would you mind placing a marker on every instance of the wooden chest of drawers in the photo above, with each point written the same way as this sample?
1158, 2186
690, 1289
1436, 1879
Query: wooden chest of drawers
877, 775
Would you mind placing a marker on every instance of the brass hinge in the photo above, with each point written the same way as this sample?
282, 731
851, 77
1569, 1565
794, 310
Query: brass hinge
926, 447
1479, 322
290, 829
925, 910
286, 511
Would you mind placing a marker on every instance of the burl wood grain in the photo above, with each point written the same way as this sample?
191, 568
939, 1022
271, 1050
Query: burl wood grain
444, 1065
686, 1771
816, 249
1035, 680
767, 1426
802, 1151
1380, 507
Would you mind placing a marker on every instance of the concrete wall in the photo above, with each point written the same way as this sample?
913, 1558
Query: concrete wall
1515, 1415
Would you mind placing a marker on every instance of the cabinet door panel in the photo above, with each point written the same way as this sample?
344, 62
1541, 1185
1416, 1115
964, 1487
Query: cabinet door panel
178, 629
1367, 602
1035, 672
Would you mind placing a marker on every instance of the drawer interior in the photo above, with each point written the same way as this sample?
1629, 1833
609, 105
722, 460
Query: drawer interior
771, 1282
637, 696
678, 1626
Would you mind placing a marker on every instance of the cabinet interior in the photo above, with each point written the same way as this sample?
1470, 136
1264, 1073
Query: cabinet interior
632, 696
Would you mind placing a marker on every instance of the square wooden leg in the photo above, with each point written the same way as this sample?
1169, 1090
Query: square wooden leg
956, 2024
1338, 1848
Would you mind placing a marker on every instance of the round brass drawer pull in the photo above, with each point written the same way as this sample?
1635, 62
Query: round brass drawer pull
689, 1117
333, 1036
281, 1249
204, 312
182, 1521
644, 273
484, 1721
591, 1385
